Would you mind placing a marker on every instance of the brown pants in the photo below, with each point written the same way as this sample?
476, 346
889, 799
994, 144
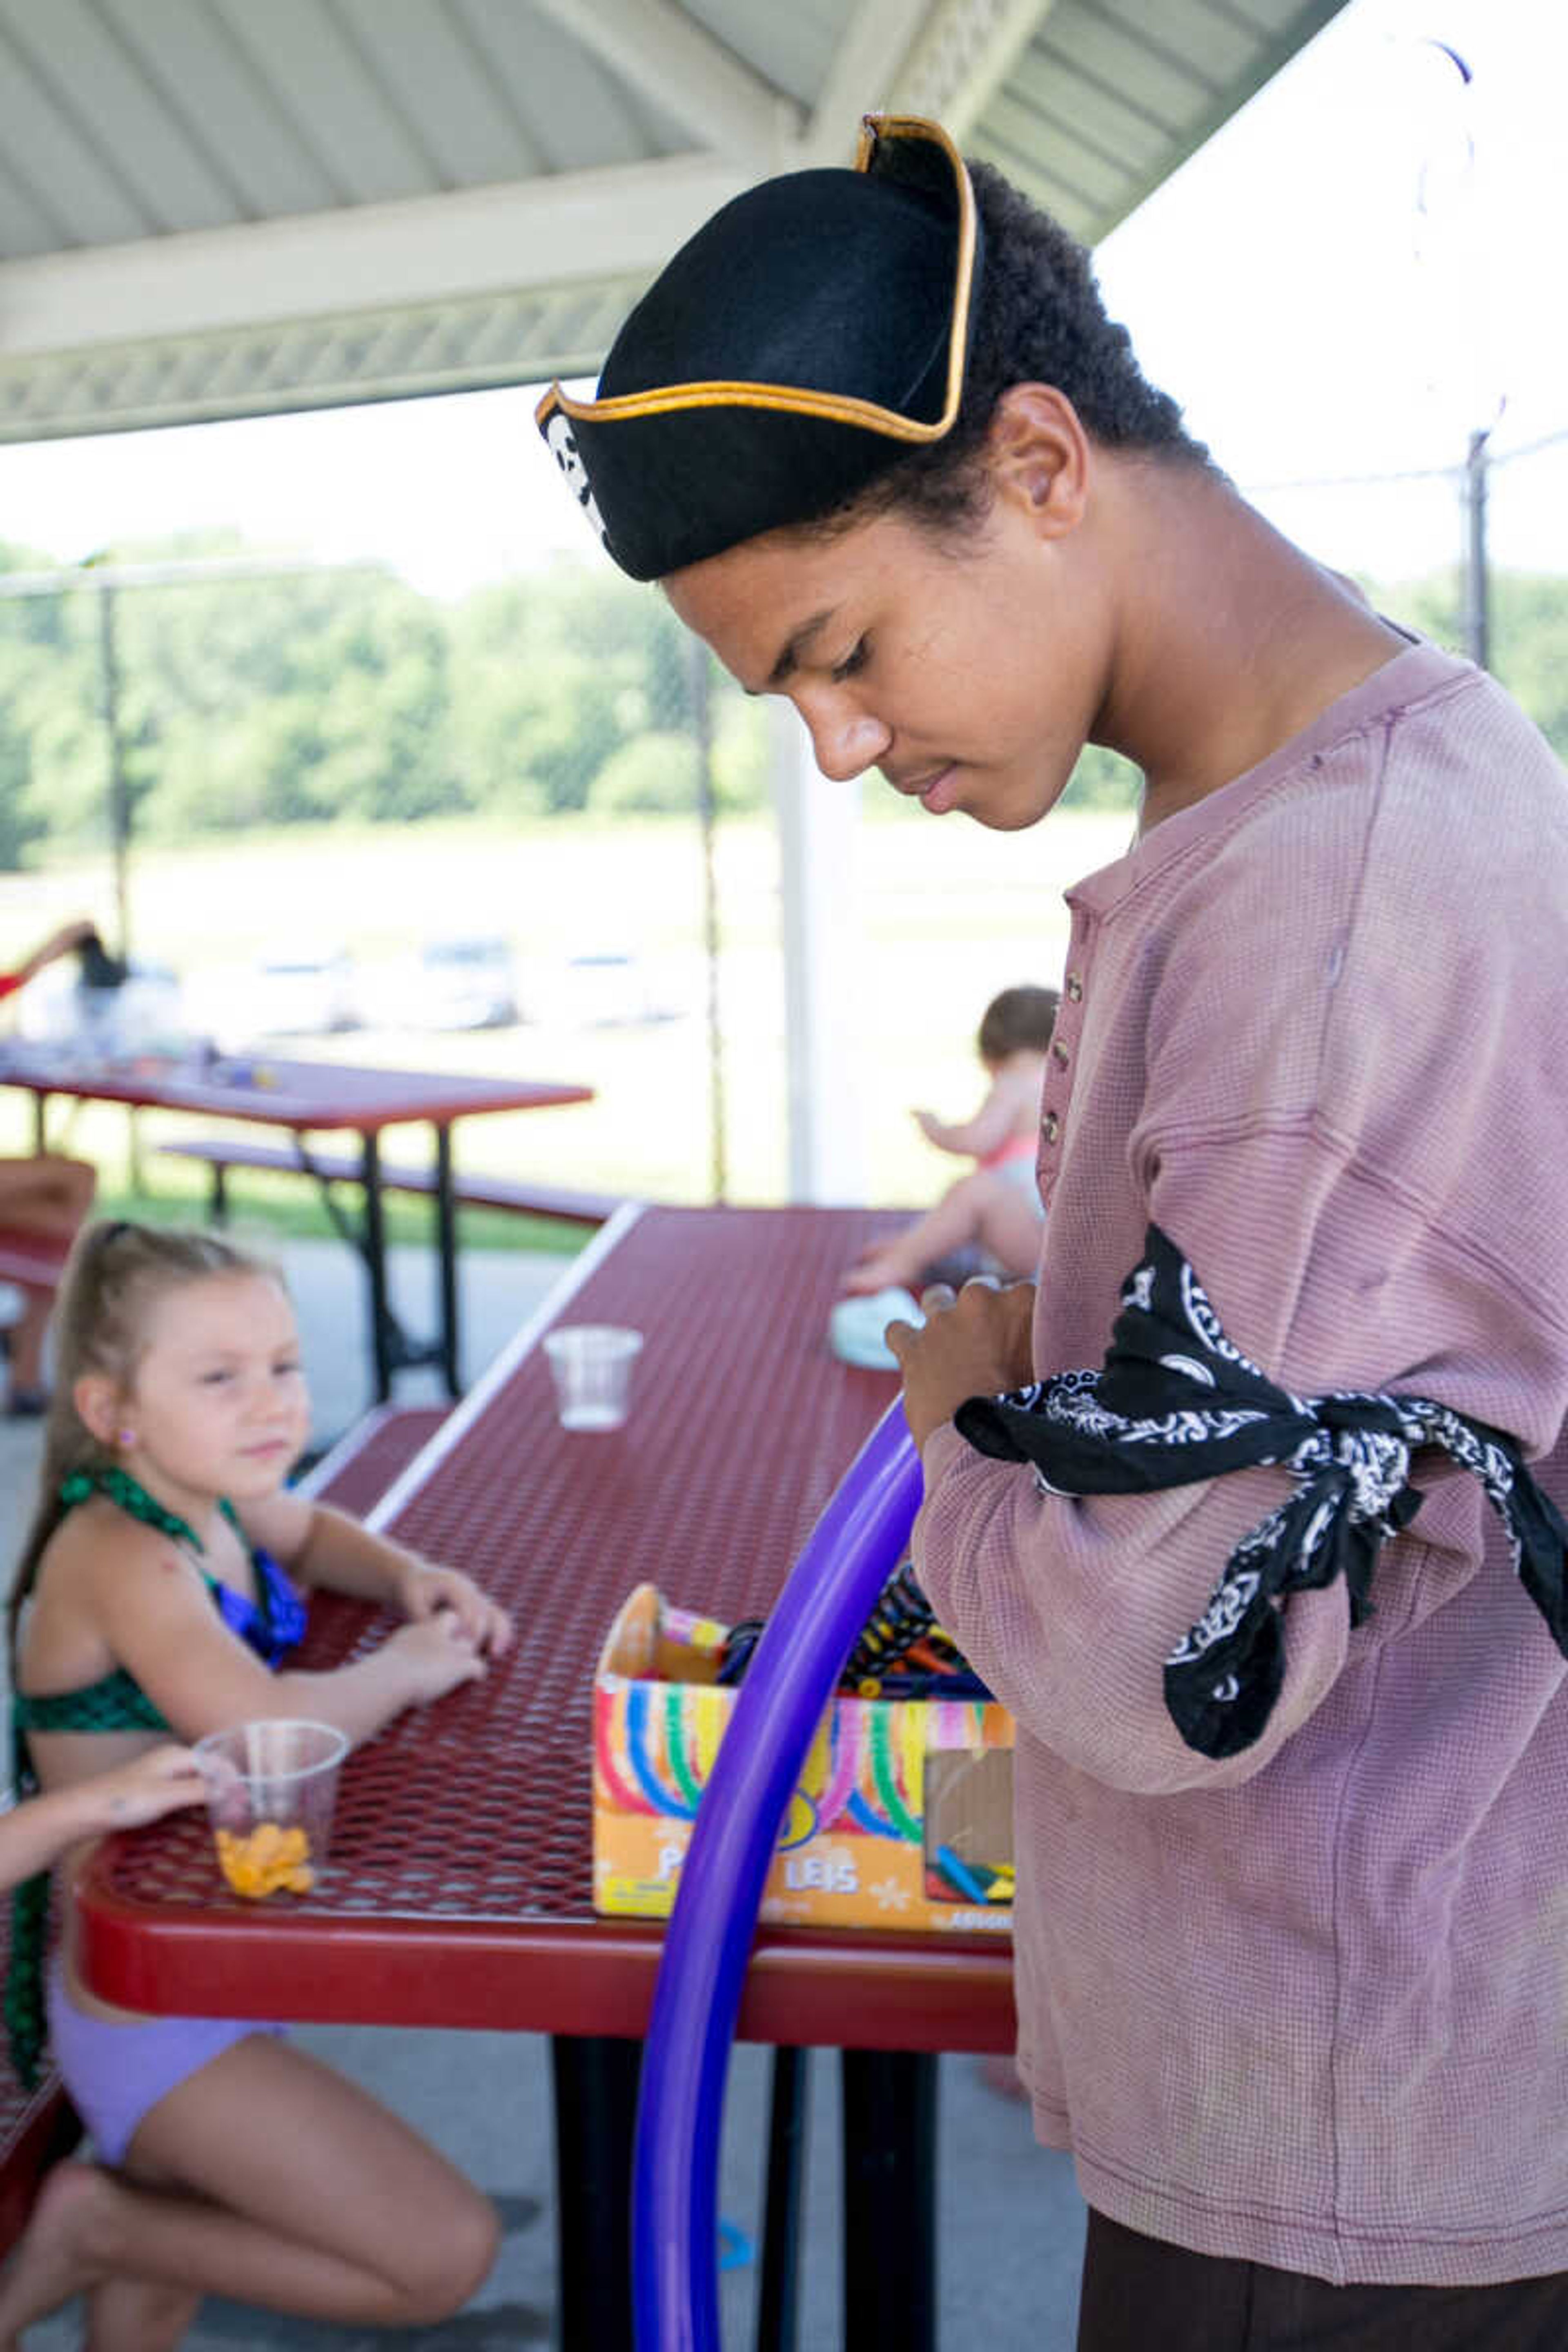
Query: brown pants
1140, 2295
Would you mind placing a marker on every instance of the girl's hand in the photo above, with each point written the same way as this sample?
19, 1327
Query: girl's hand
926, 1120
155, 1784
426, 1589
436, 1655
975, 1345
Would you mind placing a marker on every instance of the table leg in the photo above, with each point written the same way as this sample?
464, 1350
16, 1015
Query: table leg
381, 1347
889, 2200
789, 2116
595, 2123
447, 1254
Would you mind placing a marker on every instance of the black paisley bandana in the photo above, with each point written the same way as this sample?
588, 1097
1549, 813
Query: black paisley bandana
1176, 1403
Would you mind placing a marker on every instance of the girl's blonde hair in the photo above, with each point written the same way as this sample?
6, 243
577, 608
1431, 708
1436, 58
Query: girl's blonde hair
112, 1276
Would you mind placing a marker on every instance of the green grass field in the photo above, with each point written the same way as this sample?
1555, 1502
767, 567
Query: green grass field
946, 916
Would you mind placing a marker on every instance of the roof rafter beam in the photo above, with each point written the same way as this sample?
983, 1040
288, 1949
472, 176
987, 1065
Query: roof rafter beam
436, 249
964, 54
878, 37
324, 362
657, 47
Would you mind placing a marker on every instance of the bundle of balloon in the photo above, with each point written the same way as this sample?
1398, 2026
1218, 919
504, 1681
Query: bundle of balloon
902, 1815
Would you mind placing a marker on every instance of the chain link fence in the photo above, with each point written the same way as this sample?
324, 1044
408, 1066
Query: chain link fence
1475, 554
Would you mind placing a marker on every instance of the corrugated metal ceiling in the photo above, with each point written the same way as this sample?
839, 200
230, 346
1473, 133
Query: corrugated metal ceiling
211, 208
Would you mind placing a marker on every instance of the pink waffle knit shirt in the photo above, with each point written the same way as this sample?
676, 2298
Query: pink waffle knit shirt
1308, 2006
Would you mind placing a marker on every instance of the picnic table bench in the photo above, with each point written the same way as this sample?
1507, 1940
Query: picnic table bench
37, 2128
326, 1098
523, 1198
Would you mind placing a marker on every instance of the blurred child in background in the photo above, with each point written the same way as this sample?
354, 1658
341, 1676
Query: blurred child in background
43, 1192
988, 1222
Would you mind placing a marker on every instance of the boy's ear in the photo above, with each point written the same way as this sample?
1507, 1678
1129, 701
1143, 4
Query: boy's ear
97, 1401
1040, 458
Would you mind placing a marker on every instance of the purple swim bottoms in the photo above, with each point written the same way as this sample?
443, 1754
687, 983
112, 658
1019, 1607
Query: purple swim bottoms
117, 2074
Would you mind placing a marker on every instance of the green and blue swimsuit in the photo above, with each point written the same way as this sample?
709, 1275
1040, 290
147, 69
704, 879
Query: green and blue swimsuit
271, 1625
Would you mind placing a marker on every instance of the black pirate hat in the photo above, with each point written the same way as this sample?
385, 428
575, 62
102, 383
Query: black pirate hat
813, 332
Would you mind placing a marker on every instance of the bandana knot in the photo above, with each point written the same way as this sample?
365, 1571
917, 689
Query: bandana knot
1176, 1403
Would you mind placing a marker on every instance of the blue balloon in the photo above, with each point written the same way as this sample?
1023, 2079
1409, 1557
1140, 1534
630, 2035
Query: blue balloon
852, 1549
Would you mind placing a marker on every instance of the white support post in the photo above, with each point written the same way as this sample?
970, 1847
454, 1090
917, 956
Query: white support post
818, 823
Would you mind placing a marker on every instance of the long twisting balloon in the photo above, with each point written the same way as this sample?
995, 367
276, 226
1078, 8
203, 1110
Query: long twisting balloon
852, 1550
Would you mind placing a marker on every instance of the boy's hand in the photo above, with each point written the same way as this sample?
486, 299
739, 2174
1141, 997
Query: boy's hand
975, 1345
926, 1120
155, 1784
482, 1623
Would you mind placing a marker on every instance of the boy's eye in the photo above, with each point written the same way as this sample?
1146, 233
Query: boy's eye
288, 1367
853, 661
214, 1380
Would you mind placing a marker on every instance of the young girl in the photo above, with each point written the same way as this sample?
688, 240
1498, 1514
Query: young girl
160, 1590
992, 1216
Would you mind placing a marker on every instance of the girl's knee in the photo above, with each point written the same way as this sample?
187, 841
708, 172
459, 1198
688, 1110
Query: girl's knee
444, 2265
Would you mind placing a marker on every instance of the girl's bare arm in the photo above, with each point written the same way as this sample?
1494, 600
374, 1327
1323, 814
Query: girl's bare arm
37, 1830
326, 1547
156, 1618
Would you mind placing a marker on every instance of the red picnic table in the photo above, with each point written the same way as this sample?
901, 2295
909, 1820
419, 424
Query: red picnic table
461, 1872
307, 1097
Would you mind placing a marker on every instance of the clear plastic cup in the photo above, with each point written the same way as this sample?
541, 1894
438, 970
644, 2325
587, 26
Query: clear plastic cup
592, 1363
271, 1790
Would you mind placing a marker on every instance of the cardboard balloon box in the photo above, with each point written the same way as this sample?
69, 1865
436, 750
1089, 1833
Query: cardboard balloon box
902, 1816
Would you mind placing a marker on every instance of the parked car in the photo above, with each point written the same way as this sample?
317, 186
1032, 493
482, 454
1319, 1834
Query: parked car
301, 992
604, 989
465, 983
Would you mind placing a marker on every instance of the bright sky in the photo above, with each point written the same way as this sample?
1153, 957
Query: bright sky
1347, 280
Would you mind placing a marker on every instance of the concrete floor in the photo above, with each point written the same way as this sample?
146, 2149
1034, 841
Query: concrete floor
1011, 2221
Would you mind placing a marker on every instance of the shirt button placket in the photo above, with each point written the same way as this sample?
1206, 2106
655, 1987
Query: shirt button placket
1057, 1085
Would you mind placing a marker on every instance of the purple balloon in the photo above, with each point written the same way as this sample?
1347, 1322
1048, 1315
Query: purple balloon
852, 1549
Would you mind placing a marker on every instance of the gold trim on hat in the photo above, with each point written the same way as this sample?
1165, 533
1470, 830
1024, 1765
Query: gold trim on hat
838, 408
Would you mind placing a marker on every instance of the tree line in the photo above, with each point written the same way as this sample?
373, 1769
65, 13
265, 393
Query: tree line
306, 697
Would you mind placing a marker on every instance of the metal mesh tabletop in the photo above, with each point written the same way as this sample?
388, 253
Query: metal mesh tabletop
458, 1887
357, 1471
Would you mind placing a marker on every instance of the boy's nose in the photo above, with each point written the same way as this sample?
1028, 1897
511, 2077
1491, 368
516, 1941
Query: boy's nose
845, 741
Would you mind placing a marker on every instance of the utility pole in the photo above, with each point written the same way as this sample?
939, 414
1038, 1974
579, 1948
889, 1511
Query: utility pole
119, 782
119, 815
1477, 586
702, 739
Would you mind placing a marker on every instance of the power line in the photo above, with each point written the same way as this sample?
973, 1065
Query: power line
1455, 473
1532, 448
1353, 482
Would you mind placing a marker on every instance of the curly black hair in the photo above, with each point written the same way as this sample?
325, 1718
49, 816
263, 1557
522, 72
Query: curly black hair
1039, 318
